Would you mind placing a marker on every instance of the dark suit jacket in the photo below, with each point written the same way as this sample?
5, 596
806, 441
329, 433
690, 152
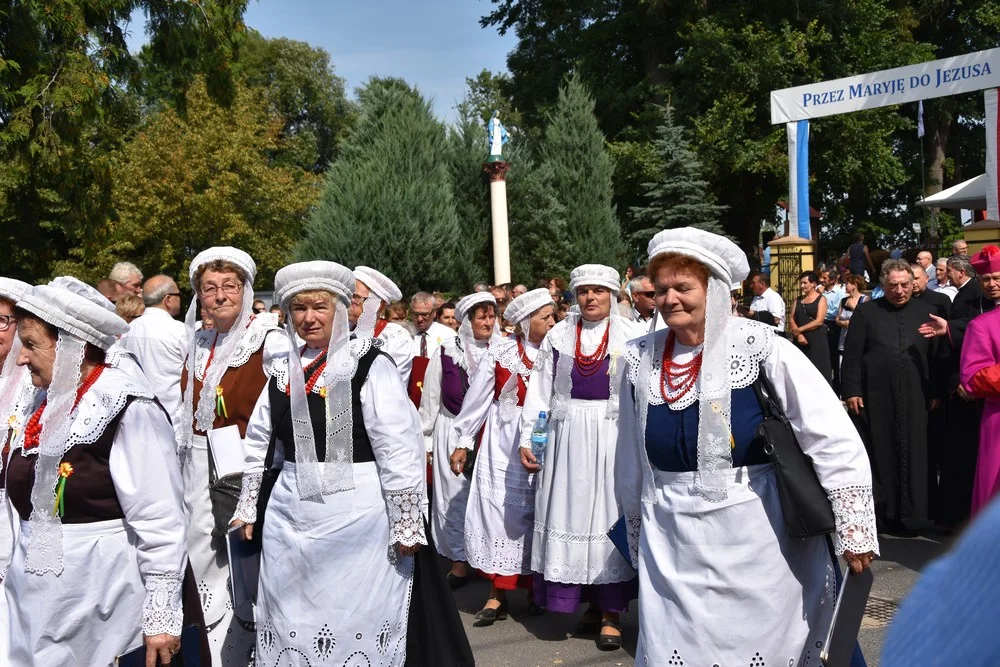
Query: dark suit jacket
941, 303
966, 303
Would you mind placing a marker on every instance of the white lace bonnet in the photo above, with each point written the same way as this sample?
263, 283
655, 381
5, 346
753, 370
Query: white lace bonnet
220, 361
382, 290
11, 374
313, 480
524, 306
463, 308
727, 264
594, 274
80, 321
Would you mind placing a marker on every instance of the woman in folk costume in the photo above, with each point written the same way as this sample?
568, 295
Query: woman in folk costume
373, 291
500, 515
575, 380
980, 376
720, 580
229, 364
98, 565
445, 384
14, 383
344, 517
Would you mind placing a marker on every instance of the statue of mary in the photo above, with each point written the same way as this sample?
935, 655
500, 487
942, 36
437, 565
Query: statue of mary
497, 135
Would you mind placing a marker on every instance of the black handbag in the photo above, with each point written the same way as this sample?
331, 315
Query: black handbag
224, 493
804, 502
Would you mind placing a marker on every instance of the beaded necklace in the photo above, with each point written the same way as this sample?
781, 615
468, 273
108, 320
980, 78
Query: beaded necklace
588, 364
527, 363
679, 378
33, 429
314, 375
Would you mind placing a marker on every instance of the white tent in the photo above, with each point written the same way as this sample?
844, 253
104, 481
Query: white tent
970, 194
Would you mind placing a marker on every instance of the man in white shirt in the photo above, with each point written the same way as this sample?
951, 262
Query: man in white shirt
941, 272
767, 300
160, 342
430, 334
641, 290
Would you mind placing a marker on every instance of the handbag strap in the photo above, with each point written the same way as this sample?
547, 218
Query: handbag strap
764, 391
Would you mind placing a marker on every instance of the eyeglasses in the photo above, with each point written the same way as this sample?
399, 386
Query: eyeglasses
422, 316
177, 294
648, 294
6, 321
228, 288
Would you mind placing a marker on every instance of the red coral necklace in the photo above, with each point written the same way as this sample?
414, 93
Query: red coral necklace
588, 364
33, 429
679, 378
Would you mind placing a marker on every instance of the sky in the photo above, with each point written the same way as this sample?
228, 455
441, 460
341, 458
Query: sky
432, 44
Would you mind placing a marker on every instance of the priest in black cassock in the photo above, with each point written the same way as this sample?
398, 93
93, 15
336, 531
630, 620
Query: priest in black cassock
891, 381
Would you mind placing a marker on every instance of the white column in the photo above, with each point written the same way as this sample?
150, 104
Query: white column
992, 140
497, 172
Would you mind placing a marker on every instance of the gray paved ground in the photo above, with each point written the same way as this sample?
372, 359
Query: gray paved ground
526, 641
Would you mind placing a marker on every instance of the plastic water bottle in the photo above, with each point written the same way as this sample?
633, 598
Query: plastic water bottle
540, 438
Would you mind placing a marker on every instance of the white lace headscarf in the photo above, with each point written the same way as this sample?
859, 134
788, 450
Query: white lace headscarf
727, 264
582, 276
79, 321
313, 480
463, 309
11, 374
519, 311
205, 415
383, 291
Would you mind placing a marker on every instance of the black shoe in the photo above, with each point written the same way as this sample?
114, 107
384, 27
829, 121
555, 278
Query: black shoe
456, 581
610, 642
486, 616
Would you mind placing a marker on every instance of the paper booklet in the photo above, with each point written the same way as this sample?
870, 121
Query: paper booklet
226, 446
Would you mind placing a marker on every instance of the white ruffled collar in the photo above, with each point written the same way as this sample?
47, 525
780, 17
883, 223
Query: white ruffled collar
750, 342
251, 341
453, 348
98, 407
279, 367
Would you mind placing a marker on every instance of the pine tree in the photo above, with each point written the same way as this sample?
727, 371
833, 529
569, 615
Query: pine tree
574, 155
467, 150
387, 201
680, 196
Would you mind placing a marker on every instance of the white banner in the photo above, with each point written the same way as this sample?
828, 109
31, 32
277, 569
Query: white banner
938, 78
992, 128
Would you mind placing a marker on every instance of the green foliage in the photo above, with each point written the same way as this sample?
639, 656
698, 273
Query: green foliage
679, 195
486, 93
716, 63
65, 107
573, 155
185, 183
387, 201
466, 152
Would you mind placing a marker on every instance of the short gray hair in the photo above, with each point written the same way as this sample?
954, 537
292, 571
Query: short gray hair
890, 265
481, 287
635, 285
941, 260
153, 293
421, 297
123, 271
962, 264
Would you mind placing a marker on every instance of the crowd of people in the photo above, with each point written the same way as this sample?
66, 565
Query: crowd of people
510, 432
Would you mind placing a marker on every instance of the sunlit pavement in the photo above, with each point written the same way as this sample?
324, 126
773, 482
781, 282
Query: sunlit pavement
524, 641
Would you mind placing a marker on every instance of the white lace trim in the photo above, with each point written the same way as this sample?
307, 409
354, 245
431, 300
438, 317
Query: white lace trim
633, 526
359, 348
854, 514
105, 401
615, 569
251, 341
750, 342
498, 554
246, 507
406, 521
162, 612
453, 348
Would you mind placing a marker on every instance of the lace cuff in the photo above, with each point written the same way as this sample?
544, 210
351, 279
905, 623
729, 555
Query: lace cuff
406, 522
246, 508
633, 522
854, 514
466, 442
162, 612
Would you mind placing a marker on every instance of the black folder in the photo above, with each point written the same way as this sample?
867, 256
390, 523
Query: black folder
847, 615
189, 655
